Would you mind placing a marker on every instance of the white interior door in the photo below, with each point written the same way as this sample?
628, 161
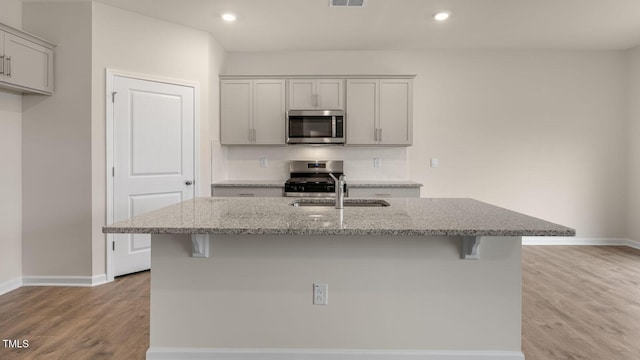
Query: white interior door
153, 157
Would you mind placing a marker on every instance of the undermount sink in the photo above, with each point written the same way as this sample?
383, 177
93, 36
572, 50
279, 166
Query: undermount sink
347, 202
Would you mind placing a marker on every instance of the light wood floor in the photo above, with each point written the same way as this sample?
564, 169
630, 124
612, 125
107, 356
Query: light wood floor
579, 302
105, 322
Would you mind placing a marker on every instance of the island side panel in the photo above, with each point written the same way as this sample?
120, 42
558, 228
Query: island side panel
384, 292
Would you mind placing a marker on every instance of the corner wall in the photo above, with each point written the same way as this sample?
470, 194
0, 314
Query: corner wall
633, 188
540, 132
57, 149
11, 174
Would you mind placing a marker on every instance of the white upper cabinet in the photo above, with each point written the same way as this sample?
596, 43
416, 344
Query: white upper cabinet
362, 111
378, 109
379, 112
269, 116
26, 62
325, 94
396, 112
252, 112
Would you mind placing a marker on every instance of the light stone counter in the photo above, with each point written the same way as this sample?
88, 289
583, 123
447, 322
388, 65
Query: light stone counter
275, 216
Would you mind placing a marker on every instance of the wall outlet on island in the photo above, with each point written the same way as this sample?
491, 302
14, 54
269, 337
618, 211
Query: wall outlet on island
320, 294
434, 162
263, 162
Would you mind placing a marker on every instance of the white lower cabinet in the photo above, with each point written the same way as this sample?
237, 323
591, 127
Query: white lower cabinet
242, 191
26, 62
252, 112
384, 192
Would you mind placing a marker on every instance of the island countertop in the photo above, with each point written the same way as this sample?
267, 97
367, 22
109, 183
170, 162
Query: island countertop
276, 216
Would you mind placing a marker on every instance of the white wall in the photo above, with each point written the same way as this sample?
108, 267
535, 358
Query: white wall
633, 208
57, 148
538, 132
11, 173
129, 42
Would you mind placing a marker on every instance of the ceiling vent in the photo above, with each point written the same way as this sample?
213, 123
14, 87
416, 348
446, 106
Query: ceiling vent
349, 3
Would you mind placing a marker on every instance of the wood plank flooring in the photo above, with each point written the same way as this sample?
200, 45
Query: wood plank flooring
579, 302
105, 322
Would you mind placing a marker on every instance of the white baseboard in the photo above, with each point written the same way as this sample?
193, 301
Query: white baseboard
632, 243
10, 285
159, 353
566, 240
64, 280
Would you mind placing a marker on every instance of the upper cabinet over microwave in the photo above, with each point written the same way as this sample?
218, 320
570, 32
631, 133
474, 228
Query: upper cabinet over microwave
316, 94
26, 62
277, 110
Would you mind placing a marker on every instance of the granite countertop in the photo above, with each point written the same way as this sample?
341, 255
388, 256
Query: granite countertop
275, 216
353, 184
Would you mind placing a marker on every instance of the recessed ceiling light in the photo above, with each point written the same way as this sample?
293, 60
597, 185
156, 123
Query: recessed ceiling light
229, 17
441, 15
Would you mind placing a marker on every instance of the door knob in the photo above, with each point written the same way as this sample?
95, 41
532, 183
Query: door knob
189, 182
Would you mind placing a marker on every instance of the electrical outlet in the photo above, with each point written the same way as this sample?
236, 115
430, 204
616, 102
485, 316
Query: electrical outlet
377, 162
263, 162
434, 162
320, 294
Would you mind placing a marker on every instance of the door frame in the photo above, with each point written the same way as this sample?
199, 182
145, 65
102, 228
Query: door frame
110, 75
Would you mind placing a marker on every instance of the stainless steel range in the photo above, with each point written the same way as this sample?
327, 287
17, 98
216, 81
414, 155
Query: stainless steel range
313, 179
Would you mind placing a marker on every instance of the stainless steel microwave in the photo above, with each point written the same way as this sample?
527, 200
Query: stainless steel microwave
315, 127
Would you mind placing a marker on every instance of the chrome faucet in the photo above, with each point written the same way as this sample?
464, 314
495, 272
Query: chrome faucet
340, 184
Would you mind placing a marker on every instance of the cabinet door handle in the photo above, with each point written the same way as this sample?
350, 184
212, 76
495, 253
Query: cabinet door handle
2, 65
254, 136
9, 66
250, 135
380, 135
246, 195
375, 134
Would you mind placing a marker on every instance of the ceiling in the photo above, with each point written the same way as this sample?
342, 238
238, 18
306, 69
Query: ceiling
290, 25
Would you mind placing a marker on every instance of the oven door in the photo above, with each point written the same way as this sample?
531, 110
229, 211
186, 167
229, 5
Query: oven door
315, 127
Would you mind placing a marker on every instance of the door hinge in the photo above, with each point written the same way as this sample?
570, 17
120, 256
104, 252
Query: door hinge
113, 96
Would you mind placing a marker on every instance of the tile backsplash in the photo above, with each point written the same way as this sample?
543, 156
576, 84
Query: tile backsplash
244, 163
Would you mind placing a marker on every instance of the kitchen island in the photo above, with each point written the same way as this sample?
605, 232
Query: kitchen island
233, 278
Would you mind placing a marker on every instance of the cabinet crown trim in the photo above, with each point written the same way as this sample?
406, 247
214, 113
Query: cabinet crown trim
287, 77
25, 35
